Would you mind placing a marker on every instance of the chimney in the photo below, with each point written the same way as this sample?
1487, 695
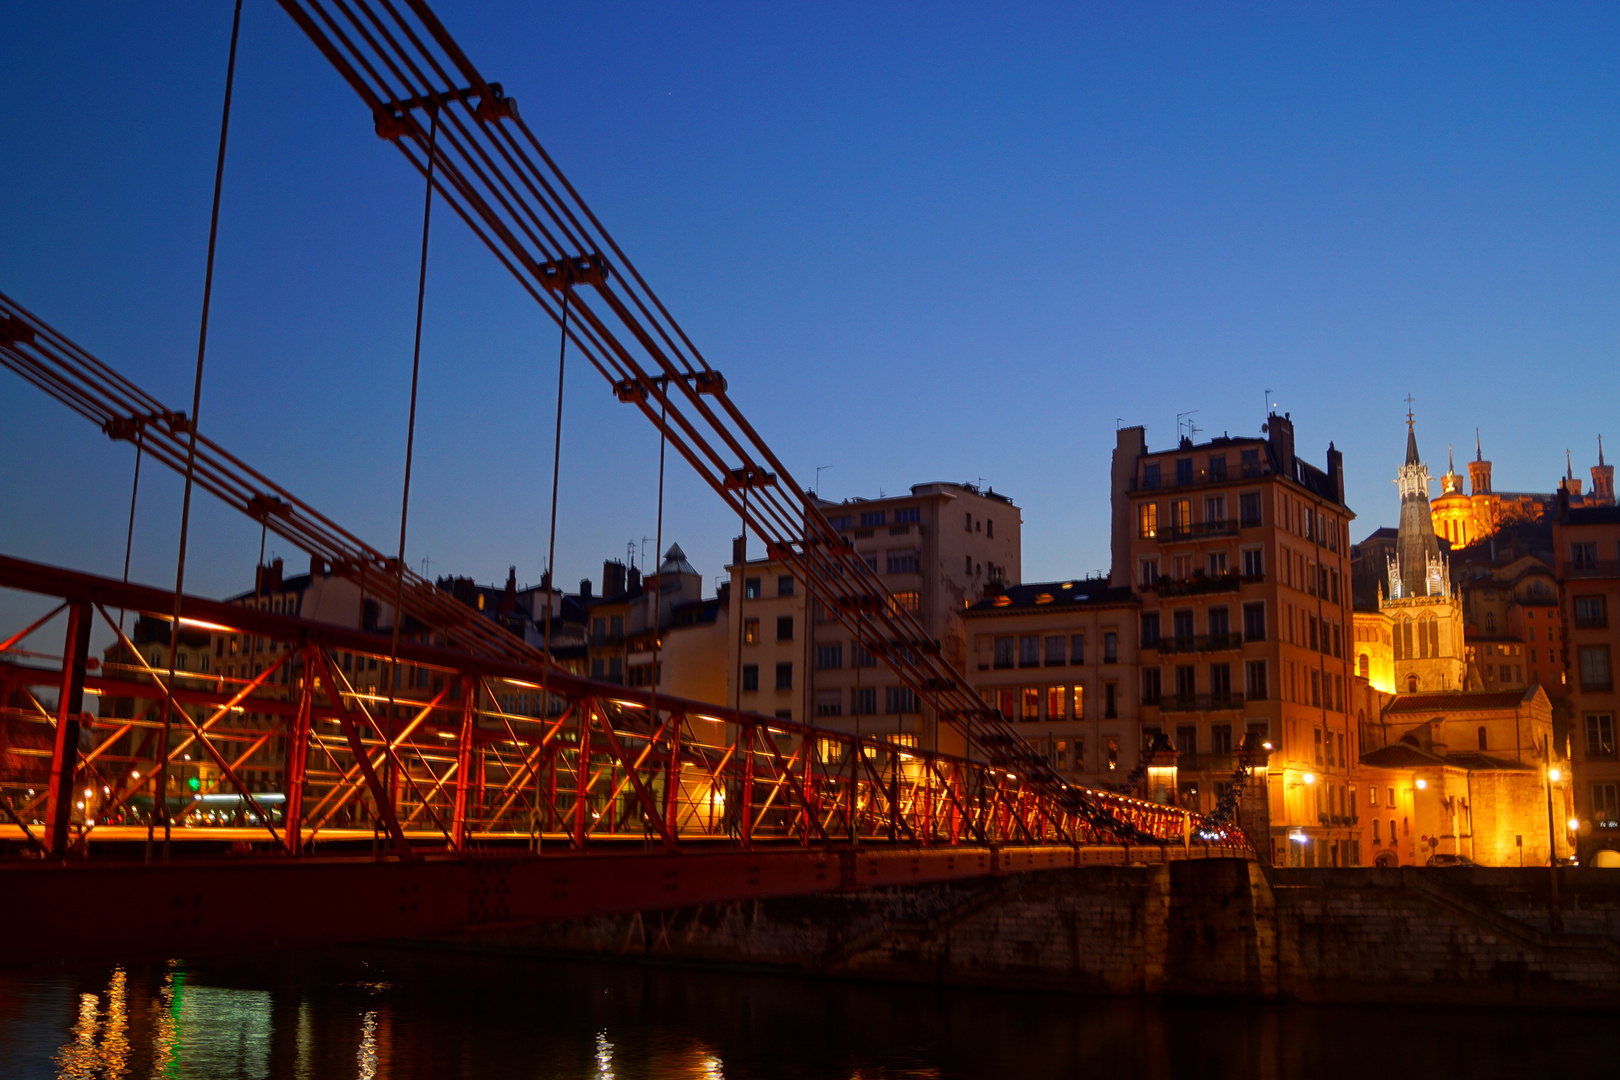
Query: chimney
1281, 430
509, 598
317, 567
1336, 472
1130, 443
268, 578
738, 549
585, 588
612, 578
632, 579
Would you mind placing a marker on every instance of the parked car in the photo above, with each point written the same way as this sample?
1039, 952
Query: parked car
1450, 860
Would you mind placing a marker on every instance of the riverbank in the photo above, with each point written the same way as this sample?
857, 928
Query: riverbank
1221, 928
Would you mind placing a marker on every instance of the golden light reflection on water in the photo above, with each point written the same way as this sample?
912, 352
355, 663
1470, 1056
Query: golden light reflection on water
368, 1046
108, 1057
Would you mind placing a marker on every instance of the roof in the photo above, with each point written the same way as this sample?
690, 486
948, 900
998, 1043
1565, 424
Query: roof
1054, 594
1403, 755
1592, 515
1456, 700
675, 562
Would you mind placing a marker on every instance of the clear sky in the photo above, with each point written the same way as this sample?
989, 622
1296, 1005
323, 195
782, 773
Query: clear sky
923, 242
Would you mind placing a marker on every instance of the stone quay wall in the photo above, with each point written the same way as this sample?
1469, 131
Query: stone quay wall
1206, 927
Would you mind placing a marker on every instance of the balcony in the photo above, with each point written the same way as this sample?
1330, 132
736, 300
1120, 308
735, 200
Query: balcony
1602, 568
1204, 477
1197, 643
1197, 585
1200, 702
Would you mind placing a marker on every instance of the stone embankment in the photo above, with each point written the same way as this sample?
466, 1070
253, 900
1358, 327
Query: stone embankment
1217, 927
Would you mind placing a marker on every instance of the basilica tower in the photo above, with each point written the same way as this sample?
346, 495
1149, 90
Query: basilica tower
1425, 613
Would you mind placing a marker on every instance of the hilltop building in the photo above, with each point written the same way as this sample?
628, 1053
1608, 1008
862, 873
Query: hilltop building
1587, 541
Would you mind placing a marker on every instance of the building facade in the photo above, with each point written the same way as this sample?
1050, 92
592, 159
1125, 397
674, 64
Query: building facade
1239, 550
1586, 543
1060, 659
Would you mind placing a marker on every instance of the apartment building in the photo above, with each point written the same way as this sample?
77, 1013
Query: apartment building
1586, 543
1511, 626
1239, 550
936, 548
1059, 659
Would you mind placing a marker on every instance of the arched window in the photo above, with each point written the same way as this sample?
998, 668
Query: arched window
1411, 684
1423, 635
1366, 666
1482, 738
1434, 636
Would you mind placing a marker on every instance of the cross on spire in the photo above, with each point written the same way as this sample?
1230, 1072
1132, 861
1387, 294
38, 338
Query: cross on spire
1409, 400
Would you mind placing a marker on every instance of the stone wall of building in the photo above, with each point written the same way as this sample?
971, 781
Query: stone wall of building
1215, 927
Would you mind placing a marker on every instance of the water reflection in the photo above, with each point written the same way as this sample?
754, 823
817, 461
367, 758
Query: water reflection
398, 1016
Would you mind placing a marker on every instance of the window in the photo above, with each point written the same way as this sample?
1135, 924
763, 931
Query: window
1217, 468
1594, 666
1186, 680
1180, 517
1254, 562
784, 628
1187, 739
1590, 612
1220, 738
1111, 752
989, 528
1249, 509
1316, 742
1078, 702
1150, 629
1147, 520
968, 564
1251, 463
1254, 621
1029, 651
1110, 647
1152, 687
784, 675
1600, 735
1150, 573
1255, 680
873, 518
1056, 696
1056, 652
899, 700
750, 677
1583, 554
863, 701
1030, 698
1184, 470
829, 703
1220, 679
1605, 805
598, 631
1004, 652
784, 585
909, 515
910, 601
1216, 562
1110, 701
908, 561
1364, 668
1150, 475
750, 631
1182, 622
1181, 567
751, 590
1080, 753
1372, 800
830, 657
1077, 648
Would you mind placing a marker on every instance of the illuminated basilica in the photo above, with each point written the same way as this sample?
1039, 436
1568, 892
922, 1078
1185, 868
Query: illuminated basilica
1467, 518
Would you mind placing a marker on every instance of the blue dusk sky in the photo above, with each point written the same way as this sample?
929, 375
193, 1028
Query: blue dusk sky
922, 241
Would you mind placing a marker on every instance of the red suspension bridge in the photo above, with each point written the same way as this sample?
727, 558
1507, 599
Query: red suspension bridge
484, 784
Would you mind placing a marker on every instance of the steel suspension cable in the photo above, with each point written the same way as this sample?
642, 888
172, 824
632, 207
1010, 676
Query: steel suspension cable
410, 448
160, 803
551, 546
658, 596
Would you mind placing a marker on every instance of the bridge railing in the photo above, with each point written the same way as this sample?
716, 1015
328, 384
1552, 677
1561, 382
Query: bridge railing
285, 740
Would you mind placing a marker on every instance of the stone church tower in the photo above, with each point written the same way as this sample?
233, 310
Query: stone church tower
1425, 612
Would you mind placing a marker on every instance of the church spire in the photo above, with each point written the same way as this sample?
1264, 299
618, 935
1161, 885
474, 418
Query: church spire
1451, 466
1411, 436
1417, 568
1479, 455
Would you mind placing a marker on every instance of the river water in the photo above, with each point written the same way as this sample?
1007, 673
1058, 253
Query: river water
365, 1013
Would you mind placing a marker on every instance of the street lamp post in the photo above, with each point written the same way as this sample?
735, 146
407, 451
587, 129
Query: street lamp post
1553, 914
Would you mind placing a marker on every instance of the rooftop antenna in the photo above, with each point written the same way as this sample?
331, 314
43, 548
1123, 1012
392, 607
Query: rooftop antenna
1268, 403
819, 468
1182, 423
630, 552
1118, 422
645, 540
